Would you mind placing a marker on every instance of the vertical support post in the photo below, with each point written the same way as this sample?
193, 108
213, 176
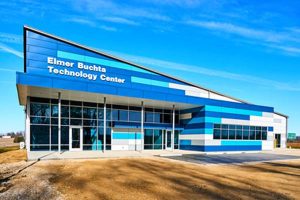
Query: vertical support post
142, 126
173, 128
27, 127
59, 122
104, 126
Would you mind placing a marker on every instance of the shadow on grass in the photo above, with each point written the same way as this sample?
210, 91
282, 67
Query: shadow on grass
160, 180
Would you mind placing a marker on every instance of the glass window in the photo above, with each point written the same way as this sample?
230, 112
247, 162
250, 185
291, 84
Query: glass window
76, 122
157, 139
90, 113
123, 115
232, 127
167, 118
158, 118
176, 139
65, 137
37, 109
224, 134
76, 112
134, 116
231, 134
115, 115
217, 133
149, 116
108, 138
246, 135
239, 134
64, 111
54, 137
148, 139
39, 137
252, 134
264, 135
54, 110
217, 125
90, 136
224, 126
39, 120
100, 141
100, 113
90, 122
258, 135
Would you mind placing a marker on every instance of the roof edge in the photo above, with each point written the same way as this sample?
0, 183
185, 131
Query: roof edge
128, 62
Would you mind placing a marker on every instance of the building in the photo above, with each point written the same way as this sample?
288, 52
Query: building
79, 99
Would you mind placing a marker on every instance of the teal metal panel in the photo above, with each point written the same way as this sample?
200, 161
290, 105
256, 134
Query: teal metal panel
232, 110
241, 142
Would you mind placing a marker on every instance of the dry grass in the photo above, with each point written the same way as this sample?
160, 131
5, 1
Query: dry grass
294, 145
11, 155
159, 178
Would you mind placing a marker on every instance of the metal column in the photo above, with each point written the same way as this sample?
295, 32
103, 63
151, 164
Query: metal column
142, 126
173, 127
104, 126
59, 122
27, 127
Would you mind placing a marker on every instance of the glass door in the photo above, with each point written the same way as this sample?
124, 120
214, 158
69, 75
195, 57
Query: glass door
75, 138
168, 140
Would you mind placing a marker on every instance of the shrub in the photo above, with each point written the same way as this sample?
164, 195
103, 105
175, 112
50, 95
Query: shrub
19, 139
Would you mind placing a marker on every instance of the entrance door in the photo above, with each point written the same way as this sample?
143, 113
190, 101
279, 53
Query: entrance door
168, 140
277, 140
75, 138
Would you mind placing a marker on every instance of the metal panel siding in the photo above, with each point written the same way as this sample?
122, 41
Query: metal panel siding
126, 135
39, 47
220, 148
232, 110
240, 142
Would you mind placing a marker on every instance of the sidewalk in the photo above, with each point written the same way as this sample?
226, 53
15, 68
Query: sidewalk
48, 155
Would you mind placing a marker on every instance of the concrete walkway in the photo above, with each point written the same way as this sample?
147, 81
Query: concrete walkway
51, 155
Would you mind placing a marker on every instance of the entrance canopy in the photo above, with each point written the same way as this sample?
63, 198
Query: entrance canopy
24, 91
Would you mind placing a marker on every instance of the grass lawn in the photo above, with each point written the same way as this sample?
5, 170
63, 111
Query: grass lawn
11, 148
156, 178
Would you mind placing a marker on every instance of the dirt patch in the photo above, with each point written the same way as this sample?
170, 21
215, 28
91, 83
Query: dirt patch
156, 178
13, 156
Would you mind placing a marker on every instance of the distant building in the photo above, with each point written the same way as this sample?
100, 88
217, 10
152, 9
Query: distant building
6, 136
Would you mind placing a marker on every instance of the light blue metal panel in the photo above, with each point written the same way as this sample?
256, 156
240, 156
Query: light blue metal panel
241, 142
126, 135
232, 110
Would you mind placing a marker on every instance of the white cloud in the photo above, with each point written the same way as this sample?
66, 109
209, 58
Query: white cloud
10, 50
241, 31
108, 28
11, 38
81, 21
119, 20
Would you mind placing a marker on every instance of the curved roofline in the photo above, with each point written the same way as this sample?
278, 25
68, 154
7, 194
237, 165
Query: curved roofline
124, 61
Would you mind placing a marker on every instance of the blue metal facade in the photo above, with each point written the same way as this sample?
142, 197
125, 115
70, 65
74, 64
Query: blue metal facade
108, 75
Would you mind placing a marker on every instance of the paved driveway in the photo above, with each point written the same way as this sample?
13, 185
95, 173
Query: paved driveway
232, 158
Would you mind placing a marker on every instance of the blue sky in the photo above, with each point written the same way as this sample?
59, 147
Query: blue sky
246, 49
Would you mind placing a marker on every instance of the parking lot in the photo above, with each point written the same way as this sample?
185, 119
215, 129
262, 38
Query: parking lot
237, 158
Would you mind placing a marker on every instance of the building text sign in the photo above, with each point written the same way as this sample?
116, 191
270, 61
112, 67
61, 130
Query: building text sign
80, 70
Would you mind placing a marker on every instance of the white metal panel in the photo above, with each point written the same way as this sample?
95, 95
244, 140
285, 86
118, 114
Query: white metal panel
196, 94
267, 145
192, 137
235, 121
186, 116
220, 97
